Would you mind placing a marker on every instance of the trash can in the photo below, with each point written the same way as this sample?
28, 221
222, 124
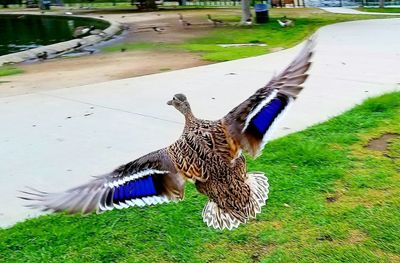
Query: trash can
45, 5
262, 16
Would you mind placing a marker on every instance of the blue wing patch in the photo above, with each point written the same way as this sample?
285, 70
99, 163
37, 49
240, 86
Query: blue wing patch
263, 120
141, 187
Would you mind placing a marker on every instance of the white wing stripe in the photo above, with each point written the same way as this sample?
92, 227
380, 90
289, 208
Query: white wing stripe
140, 202
258, 108
120, 181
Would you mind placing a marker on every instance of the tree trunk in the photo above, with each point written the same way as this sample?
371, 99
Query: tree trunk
147, 5
151, 5
5, 3
181, 2
381, 3
246, 13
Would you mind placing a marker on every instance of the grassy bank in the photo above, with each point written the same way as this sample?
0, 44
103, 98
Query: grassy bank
334, 198
8, 70
379, 10
307, 21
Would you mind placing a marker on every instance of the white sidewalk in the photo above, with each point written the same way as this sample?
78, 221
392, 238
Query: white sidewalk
344, 10
57, 139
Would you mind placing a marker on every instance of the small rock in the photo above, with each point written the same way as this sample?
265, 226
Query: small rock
331, 199
325, 237
286, 205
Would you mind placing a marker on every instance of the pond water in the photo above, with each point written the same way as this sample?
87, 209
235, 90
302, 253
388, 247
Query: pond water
21, 32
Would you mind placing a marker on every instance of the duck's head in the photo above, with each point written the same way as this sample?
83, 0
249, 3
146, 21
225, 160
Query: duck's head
180, 102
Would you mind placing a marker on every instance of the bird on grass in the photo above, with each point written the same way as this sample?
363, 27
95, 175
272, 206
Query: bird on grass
216, 22
208, 153
285, 22
248, 22
183, 22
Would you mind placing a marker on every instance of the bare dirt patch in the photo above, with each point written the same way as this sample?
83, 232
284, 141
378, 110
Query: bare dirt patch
356, 236
65, 73
172, 30
381, 143
96, 68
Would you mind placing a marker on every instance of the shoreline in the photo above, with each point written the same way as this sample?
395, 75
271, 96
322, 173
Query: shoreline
61, 47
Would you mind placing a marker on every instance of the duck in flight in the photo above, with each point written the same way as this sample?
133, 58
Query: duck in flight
208, 153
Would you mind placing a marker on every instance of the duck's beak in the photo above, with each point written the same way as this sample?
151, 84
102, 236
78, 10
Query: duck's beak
169, 102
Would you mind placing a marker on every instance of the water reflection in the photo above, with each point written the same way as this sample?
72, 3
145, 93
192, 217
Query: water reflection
21, 32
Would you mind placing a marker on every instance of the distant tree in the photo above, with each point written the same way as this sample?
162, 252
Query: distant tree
5, 3
182, 2
147, 4
246, 13
381, 3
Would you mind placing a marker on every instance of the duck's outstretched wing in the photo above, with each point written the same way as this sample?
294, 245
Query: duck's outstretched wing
251, 121
151, 179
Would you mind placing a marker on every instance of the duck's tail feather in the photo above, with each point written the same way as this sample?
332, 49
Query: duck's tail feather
221, 219
259, 189
218, 218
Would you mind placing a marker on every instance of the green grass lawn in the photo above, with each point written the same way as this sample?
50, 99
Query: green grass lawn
380, 10
331, 200
307, 21
8, 70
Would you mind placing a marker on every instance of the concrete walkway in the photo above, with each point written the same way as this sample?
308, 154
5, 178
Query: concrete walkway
344, 10
57, 139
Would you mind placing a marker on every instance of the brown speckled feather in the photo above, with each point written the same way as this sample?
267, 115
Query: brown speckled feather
204, 154
208, 153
